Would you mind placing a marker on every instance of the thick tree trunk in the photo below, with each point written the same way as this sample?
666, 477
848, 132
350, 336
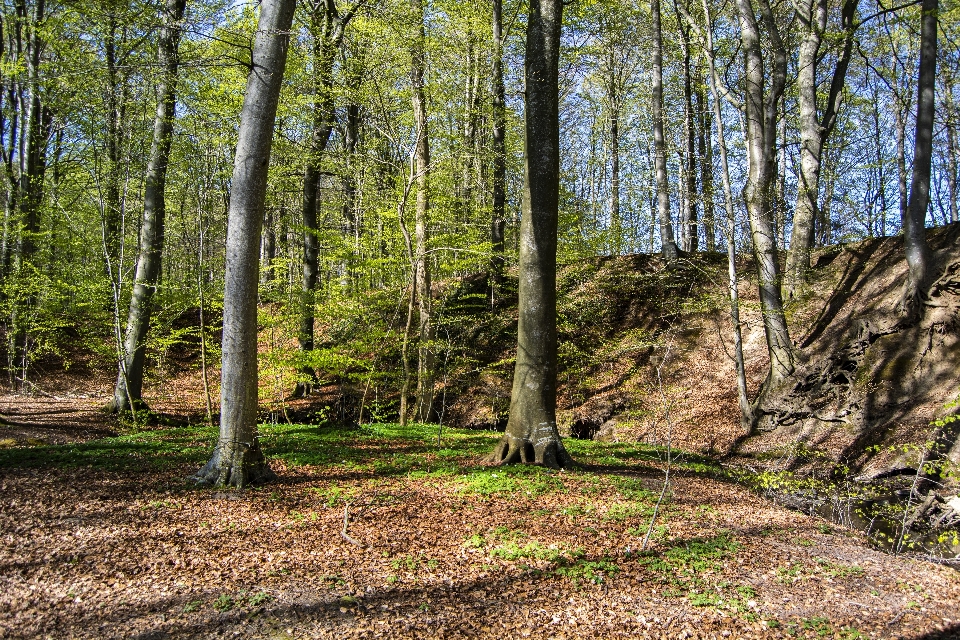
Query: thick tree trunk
668, 245
761, 130
814, 128
421, 226
531, 435
919, 257
238, 459
498, 221
127, 394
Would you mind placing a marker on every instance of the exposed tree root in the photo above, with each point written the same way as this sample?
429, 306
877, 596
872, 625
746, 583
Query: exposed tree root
236, 464
547, 452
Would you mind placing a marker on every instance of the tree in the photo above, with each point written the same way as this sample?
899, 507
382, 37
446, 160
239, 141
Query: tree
668, 246
919, 258
815, 127
238, 459
421, 273
761, 102
328, 26
499, 116
531, 435
127, 394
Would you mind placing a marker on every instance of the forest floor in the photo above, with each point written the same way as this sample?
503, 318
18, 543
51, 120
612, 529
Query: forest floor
383, 531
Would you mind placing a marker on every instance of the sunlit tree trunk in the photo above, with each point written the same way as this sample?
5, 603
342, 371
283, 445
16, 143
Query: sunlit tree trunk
238, 459
761, 102
815, 127
531, 435
689, 240
668, 245
127, 394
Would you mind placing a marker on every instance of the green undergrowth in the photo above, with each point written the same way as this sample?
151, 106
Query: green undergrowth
452, 456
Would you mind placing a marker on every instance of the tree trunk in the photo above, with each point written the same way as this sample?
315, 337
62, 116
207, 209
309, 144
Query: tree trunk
238, 459
919, 257
688, 233
127, 394
761, 131
814, 129
746, 411
498, 221
705, 151
668, 246
952, 154
531, 435
268, 250
328, 27
616, 228
421, 225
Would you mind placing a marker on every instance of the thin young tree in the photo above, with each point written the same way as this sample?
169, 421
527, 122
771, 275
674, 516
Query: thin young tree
531, 435
238, 459
127, 393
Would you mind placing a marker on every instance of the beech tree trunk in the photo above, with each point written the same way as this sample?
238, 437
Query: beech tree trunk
616, 228
498, 221
237, 459
689, 240
422, 283
814, 127
761, 102
668, 245
328, 28
531, 435
127, 394
705, 151
919, 257
746, 411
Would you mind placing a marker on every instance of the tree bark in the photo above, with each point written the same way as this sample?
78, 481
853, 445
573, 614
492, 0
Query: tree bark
919, 257
814, 128
498, 220
237, 459
668, 245
689, 240
127, 395
328, 28
761, 131
746, 411
531, 435
705, 151
616, 228
424, 392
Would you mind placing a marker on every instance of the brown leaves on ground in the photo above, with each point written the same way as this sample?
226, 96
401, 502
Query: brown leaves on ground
89, 553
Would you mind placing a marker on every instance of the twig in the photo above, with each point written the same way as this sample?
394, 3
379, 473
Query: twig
666, 475
346, 523
36, 388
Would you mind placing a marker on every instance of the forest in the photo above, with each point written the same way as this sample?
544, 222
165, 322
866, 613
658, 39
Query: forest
483, 318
